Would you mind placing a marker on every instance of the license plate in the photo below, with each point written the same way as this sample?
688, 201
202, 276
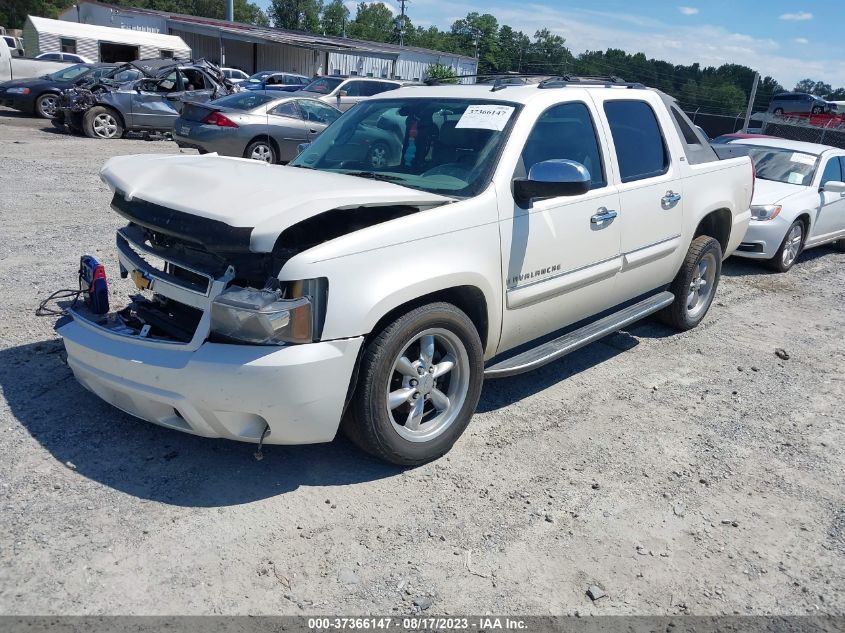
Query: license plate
185, 130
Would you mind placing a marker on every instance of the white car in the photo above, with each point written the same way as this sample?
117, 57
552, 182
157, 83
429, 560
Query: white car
65, 57
515, 226
235, 75
799, 200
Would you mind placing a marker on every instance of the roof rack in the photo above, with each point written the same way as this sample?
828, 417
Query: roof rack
499, 79
576, 80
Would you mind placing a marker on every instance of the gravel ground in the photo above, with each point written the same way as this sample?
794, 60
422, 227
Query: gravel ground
677, 473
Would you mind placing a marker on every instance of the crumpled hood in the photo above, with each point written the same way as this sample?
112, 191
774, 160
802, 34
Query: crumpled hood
773, 192
246, 193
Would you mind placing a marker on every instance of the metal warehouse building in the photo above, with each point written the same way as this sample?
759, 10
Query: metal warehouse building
253, 48
98, 43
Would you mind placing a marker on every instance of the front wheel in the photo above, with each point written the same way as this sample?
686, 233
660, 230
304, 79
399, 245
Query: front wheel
47, 105
789, 249
419, 384
695, 284
102, 122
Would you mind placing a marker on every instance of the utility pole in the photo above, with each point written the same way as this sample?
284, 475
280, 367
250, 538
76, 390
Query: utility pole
402, 4
751, 102
230, 10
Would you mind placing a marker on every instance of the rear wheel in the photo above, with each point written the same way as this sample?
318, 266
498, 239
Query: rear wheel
261, 150
839, 245
695, 284
47, 105
378, 155
102, 122
789, 249
778, 111
818, 109
419, 384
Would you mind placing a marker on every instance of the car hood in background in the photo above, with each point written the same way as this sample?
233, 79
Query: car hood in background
772, 192
247, 193
34, 83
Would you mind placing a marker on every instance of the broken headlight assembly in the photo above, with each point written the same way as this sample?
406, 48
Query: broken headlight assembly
293, 313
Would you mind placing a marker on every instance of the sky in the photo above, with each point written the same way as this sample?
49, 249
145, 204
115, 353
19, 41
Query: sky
787, 39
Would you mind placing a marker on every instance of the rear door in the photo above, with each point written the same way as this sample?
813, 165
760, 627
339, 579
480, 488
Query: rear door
355, 89
651, 206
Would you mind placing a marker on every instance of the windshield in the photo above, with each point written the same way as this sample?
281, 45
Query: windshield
257, 78
71, 73
445, 146
323, 85
243, 100
783, 165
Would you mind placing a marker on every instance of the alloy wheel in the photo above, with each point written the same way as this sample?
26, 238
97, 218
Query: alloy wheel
105, 125
792, 245
262, 152
428, 385
48, 105
702, 286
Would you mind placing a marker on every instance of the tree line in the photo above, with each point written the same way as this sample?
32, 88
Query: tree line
498, 47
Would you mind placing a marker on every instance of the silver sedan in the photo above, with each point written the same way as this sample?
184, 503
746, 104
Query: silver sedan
257, 124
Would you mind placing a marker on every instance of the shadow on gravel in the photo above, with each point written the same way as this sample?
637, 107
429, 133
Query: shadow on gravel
739, 267
151, 462
503, 392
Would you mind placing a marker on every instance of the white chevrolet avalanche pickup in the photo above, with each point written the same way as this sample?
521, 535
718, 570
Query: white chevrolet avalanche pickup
514, 225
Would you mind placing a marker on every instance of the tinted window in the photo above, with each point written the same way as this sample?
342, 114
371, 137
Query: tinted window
565, 131
51, 56
287, 109
357, 89
323, 85
686, 130
318, 112
69, 74
243, 100
639, 144
832, 171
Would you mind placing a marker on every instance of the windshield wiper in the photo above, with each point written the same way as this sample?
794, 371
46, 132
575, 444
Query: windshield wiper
372, 175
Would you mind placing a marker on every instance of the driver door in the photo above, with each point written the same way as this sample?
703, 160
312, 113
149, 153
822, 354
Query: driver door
154, 102
560, 256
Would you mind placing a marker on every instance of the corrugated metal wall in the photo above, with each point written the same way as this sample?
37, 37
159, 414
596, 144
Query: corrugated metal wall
202, 46
239, 55
365, 65
288, 58
31, 42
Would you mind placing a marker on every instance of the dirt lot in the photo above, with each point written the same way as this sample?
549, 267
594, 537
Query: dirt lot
681, 473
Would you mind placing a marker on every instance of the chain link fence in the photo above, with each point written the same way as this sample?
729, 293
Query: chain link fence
825, 129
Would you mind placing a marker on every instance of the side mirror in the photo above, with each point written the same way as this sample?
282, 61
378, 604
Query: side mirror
834, 186
552, 179
342, 93
301, 148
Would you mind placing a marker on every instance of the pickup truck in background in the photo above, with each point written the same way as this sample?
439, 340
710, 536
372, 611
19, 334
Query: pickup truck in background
516, 225
14, 67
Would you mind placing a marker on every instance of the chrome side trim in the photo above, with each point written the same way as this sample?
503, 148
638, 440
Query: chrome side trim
651, 252
564, 282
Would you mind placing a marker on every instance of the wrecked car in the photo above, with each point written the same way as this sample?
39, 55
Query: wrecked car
280, 303
141, 96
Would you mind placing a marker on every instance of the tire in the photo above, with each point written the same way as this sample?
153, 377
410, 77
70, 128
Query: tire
817, 110
839, 245
790, 249
695, 285
263, 151
378, 155
434, 406
778, 111
102, 122
46, 105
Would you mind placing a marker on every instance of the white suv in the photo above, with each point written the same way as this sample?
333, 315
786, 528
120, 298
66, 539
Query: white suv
514, 226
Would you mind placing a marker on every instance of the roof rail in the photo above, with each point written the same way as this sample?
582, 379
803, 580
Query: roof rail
577, 80
498, 78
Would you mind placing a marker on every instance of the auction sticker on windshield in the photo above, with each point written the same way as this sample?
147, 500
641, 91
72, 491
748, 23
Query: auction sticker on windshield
485, 117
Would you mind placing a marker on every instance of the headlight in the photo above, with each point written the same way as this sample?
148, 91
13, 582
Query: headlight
266, 317
18, 91
765, 212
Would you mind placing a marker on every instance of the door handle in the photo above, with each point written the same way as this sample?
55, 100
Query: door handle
670, 199
602, 216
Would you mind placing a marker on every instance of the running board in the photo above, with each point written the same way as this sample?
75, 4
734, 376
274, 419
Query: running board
575, 340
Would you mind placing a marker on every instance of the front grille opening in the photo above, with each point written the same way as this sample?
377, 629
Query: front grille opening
167, 319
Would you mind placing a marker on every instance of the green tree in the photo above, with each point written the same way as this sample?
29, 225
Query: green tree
477, 35
442, 72
334, 18
298, 15
373, 22
513, 47
548, 54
